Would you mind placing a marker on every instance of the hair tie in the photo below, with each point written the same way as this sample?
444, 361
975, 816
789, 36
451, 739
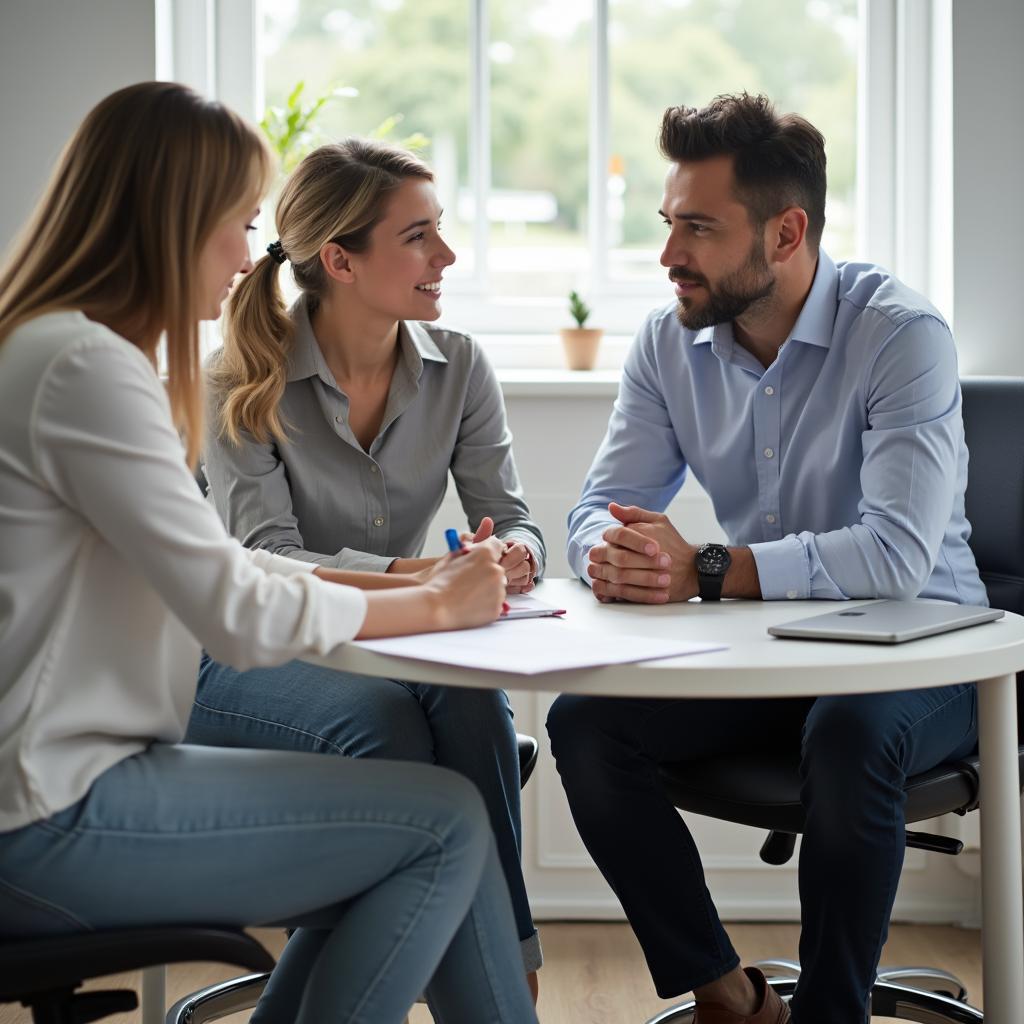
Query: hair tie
277, 253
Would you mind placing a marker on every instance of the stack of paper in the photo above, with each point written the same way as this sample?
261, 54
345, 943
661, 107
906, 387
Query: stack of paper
531, 646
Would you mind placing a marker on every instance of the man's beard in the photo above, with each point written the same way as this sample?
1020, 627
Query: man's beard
732, 296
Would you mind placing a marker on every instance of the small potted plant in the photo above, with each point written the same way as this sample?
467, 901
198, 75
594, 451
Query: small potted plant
580, 342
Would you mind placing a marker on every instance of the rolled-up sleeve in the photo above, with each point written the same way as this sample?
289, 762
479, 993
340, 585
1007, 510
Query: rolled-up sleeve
639, 461
484, 469
908, 481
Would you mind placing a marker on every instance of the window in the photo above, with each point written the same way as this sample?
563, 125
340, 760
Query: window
544, 113
556, 142
801, 53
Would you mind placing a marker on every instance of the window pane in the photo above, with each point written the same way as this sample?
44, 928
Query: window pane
540, 80
800, 53
410, 60
403, 68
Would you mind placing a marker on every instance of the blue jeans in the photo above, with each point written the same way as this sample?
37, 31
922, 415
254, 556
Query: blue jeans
388, 871
299, 706
855, 753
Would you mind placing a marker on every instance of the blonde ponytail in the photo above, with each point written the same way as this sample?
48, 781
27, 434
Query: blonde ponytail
250, 374
337, 194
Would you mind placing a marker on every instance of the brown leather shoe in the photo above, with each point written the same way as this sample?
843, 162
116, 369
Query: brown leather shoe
770, 1010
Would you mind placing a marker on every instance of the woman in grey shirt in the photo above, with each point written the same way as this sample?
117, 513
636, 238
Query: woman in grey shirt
333, 429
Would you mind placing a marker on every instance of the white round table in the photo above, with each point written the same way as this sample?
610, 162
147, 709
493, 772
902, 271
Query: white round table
755, 664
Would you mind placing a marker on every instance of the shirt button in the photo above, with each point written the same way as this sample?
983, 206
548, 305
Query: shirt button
378, 521
769, 390
791, 594
769, 518
769, 453
373, 468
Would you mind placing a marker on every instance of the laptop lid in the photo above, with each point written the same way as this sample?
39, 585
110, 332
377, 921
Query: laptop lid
887, 622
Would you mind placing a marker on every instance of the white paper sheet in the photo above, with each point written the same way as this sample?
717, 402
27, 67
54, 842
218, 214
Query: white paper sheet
531, 646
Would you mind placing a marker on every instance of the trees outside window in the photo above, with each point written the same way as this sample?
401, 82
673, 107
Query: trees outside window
544, 113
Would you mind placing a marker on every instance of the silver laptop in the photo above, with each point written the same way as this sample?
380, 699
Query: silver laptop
887, 622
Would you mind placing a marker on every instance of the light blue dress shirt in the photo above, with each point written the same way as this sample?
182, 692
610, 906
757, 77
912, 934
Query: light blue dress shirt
842, 466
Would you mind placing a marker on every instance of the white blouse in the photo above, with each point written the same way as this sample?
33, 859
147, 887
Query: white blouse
114, 570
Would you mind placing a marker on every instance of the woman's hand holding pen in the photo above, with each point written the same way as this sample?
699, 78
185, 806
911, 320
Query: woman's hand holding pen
461, 590
516, 559
469, 585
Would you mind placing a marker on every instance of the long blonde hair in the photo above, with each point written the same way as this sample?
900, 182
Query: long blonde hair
151, 172
337, 194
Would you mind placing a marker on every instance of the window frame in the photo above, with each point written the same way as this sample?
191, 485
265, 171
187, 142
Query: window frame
904, 144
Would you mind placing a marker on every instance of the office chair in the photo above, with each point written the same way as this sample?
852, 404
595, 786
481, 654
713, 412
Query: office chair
43, 974
763, 790
242, 993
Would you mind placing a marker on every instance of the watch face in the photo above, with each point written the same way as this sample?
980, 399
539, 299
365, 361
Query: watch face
713, 559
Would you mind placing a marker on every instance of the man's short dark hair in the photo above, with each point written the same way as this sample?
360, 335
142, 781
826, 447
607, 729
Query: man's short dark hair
778, 160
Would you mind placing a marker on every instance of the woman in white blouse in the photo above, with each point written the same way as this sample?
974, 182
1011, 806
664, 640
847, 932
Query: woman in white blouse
333, 429
113, 572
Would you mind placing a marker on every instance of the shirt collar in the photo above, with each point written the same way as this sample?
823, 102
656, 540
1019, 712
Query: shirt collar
306, 360
816, 321
418, 346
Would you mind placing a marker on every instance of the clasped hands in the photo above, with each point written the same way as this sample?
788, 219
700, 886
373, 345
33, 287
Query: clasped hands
644, 559
516, 560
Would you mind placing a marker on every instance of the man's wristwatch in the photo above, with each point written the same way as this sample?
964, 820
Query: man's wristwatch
712, 563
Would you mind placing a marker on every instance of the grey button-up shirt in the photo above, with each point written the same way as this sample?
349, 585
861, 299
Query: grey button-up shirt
321, 498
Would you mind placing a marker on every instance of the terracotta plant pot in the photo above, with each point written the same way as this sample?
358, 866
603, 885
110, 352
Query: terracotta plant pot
580, 344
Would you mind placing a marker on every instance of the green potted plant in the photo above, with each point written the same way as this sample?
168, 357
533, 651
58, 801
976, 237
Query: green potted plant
580, 342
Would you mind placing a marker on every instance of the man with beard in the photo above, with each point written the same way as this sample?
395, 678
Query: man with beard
818, 404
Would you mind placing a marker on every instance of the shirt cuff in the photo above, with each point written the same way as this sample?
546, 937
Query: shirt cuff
578, 548
279, 565
536, 565
783, 570
530, 542
362, 561
339, 613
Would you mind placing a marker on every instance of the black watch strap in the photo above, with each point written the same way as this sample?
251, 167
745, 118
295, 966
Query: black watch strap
710, 587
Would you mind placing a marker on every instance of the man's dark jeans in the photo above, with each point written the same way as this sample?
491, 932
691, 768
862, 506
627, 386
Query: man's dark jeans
856, 752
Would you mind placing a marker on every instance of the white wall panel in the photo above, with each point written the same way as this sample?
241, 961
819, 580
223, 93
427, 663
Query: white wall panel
57, 60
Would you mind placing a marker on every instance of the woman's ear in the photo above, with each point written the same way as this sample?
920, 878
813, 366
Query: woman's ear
336, 263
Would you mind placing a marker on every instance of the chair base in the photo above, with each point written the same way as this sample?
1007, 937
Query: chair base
922, 994
219, 1000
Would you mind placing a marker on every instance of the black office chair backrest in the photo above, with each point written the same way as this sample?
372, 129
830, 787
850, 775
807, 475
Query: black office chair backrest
994, 426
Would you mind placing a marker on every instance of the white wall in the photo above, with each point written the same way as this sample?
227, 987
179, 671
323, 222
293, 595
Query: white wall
57, 59
988, 184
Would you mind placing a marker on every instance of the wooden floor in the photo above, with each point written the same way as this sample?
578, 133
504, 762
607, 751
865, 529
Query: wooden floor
595, 973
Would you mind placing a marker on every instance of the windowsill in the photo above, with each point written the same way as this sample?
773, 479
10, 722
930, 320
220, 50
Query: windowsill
534, 365
555, 383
